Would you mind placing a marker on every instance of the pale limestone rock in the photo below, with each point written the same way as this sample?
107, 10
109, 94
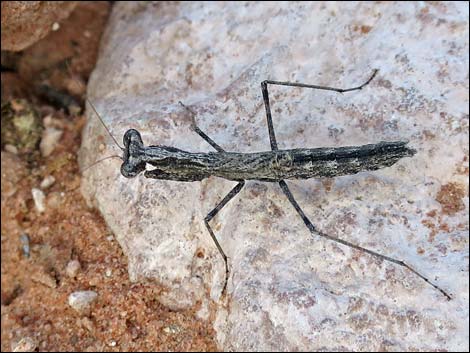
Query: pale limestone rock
289, 290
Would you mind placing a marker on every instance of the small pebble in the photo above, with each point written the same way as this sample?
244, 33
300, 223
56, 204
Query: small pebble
54, 200
24, 239
55, 26
11, 149
50, 121
49, 140
47, 121
25, 344
26, 320
108, 273
110, 238
45, 279
173, 329
94, 281
112, 344
81, 300
72, 268
38, 197
47, 182
87, 324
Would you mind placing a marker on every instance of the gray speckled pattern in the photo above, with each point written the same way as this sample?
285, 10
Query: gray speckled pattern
302, 163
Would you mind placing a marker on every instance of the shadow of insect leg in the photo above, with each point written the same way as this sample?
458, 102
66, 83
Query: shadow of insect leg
212, 214
313, 230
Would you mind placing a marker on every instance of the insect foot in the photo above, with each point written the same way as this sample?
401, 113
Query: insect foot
133, 146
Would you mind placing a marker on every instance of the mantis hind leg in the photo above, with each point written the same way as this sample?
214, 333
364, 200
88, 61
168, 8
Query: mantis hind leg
264, 90
290, 197
211, 215
314, 231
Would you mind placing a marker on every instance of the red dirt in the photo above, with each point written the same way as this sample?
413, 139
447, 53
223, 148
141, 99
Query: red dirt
34, 293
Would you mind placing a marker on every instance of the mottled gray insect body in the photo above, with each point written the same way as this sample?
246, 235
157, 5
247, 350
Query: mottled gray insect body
170, 163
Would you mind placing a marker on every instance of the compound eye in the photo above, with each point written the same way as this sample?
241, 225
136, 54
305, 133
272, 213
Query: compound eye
127, 138
131, 135
126, 171
130, 170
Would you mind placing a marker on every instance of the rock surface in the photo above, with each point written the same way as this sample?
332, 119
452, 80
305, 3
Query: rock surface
26, 22
287, 289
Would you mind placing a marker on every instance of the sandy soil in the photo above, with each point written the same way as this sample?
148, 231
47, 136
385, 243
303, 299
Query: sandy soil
35, 282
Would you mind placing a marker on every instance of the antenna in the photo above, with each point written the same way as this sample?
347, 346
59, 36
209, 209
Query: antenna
102, 122
92, 106
101, 160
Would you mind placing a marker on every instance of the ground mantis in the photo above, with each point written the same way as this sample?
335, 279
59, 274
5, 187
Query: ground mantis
171, 163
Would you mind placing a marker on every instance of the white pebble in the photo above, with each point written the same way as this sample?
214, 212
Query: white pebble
108, 273
26, 344
55, 26
81, 300
38, 197
72, 268
50, 138
47, 182
172, 329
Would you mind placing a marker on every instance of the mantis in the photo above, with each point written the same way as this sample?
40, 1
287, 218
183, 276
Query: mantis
275, 166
